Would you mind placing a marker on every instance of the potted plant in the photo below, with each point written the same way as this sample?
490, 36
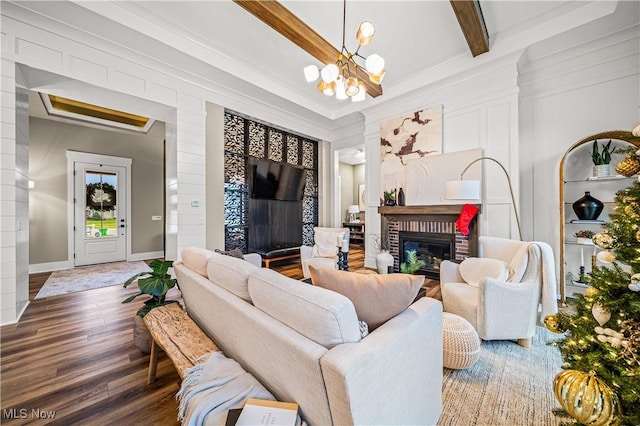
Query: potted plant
155, 283
601, 159
413, 263
584, 237
390, 198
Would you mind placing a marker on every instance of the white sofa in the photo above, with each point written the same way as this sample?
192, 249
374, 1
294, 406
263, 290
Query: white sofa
303, 343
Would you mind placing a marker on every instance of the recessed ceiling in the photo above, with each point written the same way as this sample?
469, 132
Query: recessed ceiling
72, 109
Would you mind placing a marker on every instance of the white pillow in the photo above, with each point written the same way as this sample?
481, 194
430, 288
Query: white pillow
326, 242
475, 269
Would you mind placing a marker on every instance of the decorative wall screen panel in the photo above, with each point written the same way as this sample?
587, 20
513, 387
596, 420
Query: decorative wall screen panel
246, 139
276, 140
234, 134
292, 149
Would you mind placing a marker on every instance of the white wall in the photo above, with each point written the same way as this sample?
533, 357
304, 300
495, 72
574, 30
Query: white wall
574, 86
100, 72
480, 109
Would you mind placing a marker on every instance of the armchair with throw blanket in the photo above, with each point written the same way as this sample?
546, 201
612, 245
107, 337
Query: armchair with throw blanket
324, 253
504, 292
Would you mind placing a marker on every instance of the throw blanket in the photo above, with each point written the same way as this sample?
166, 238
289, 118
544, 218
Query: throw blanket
549, 294
210, 389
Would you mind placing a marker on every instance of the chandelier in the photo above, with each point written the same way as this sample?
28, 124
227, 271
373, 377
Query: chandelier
341, 79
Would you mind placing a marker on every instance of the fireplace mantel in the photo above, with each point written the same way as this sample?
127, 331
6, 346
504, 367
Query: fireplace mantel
434, 219
440, 209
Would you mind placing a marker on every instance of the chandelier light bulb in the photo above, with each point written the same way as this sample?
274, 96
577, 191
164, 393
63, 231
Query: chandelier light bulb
377, 78
374, 64
329, 73
360, 96
311, 73
351, 86
365, 33
328, 89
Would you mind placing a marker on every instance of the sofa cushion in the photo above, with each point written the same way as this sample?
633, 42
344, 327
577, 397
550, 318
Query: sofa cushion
196, 259
475, 269
326, 317
231, 273
377, 298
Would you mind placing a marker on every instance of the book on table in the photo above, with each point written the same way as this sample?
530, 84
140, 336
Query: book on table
264, 412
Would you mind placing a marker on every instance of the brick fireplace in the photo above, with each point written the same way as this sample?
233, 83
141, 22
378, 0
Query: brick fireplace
432, 231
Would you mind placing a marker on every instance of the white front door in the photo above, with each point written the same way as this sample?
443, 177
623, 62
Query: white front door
100, 211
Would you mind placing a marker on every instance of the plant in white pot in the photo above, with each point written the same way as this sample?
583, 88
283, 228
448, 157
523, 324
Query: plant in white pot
155, 283
601, 159
584, 237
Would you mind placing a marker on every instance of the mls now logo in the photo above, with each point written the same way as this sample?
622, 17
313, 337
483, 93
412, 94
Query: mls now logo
23, 413
15, 413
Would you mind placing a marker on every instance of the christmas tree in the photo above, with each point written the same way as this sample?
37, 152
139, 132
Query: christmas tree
600, 384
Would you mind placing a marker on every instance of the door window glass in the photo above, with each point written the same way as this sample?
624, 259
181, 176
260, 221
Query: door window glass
101, 210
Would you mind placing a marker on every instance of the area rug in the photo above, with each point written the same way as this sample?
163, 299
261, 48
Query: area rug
90, 277
509, 385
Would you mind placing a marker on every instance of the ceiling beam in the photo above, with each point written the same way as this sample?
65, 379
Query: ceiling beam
282, 20
471, 22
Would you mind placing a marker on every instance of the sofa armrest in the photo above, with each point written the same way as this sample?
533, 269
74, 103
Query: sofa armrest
450, 272
253, 258
358, 376
507, 310
305, 252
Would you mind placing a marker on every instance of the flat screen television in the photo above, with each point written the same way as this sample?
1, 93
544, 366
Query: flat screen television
277, 181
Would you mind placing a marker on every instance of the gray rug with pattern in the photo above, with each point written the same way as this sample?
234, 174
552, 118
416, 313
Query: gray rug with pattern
509, 385
90, 277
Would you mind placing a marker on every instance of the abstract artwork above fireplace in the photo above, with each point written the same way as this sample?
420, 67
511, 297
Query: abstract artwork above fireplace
411, 158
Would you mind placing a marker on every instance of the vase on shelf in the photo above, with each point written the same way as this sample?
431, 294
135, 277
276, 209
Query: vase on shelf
588, 207
401, 197
384, 262
601, 170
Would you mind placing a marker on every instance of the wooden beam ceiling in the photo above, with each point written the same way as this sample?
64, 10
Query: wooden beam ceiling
471, 22
281, 19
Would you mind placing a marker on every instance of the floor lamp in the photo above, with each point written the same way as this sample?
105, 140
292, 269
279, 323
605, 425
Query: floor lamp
470, 189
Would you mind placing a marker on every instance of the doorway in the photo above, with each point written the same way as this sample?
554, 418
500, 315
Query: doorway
101, 187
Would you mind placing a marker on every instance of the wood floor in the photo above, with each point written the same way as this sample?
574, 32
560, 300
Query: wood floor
71, 360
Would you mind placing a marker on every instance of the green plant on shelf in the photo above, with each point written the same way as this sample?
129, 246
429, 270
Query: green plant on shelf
584, 234
601, 157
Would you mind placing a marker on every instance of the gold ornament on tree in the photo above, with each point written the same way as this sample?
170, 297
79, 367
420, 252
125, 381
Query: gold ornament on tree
587, 398
591, 292
606, 257
638, 235
629, 166
552, 324
604, 240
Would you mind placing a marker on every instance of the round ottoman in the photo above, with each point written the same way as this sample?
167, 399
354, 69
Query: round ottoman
460, 342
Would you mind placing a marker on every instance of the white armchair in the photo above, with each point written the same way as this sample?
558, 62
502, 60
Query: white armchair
501, 296
324, 253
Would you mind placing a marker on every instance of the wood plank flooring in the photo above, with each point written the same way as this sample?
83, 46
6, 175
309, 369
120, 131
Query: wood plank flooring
71, 360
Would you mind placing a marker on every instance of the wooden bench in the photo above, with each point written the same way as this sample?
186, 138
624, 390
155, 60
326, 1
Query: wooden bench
275, 253
179, 336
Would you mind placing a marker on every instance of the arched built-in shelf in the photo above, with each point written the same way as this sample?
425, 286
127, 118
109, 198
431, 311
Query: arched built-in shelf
582, 181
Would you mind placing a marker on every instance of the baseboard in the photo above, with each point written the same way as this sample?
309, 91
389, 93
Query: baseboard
21, 311
51, 266
146, 256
